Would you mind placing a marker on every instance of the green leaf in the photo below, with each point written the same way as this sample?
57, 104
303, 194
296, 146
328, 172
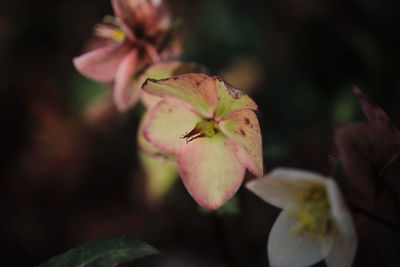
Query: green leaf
102, 253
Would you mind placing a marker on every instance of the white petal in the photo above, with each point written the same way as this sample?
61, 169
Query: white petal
283, 185
288, 248
345, 245
342, 253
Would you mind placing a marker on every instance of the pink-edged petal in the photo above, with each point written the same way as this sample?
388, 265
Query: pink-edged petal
123, 12
210, 170
345, 245
166, 126
282, 186
288, 248
231, 99
196, 91
145, 145
101, 64
133, 14
164, 70
243, 132
123, 81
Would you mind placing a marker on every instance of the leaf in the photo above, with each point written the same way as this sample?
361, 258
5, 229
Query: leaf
102, 253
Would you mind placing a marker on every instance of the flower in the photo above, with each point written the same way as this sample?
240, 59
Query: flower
367, 151
137, 37
213, 130
160, 70
314, 223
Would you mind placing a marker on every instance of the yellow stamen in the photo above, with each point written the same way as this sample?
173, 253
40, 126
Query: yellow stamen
110, 29
313, 213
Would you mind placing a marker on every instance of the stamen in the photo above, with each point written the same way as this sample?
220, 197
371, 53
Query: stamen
313, 213
204, 128
110, 29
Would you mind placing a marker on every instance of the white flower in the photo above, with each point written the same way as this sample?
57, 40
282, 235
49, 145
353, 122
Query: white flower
314, 224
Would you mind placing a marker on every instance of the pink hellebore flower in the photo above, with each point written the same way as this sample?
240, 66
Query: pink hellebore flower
314, 224
212, 128
134, 40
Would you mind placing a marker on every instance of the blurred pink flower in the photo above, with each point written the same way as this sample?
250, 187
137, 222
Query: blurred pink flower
133, 40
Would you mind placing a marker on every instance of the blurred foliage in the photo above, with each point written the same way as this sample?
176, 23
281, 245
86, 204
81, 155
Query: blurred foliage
102, 253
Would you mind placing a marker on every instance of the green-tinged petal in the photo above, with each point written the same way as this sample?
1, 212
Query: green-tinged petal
164, 70
231, 99
161, 174
282, 186
166, 126
286, 247
210, 170
243, 132
195, 91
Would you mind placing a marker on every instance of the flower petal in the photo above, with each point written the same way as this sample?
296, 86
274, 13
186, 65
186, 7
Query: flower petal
288, 248
196, 91
123, 81
345, 245
231, 99
162, 71
210, 170
167, 124
340, 213
148, 15
161, 175
101, 64
364, 150
282, 186
373, 112
342, 252
243, 132
145, 145
122, 10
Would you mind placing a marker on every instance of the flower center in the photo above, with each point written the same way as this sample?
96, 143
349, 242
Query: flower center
110, 29
313, 212
204, 128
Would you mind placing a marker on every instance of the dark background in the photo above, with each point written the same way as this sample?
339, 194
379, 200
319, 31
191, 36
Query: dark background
64, 181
